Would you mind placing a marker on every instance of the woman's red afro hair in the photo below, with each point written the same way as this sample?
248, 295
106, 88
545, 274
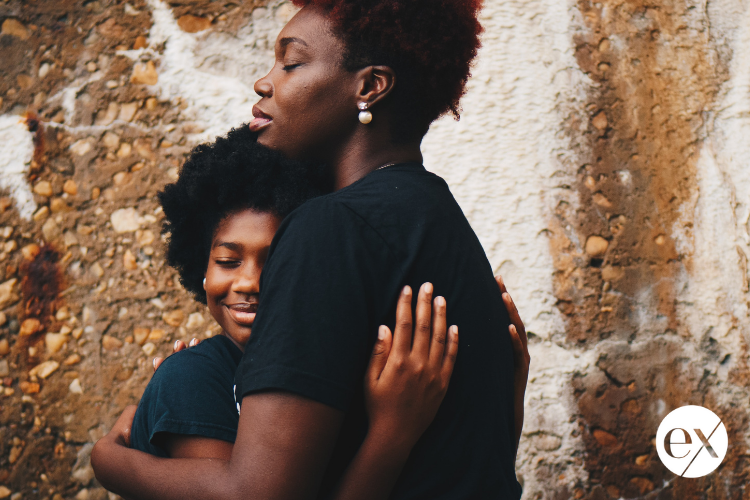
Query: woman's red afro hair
429, 43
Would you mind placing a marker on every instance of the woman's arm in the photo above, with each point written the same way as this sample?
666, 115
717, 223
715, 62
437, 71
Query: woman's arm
280, 436
184, 446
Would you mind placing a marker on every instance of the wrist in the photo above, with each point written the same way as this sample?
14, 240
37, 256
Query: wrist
389, 441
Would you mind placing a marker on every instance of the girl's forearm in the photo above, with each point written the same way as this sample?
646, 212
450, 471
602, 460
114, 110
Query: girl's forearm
374, 470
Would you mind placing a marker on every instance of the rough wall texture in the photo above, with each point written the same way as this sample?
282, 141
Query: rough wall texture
603, 157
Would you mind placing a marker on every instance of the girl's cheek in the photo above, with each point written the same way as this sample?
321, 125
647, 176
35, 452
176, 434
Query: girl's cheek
217, 281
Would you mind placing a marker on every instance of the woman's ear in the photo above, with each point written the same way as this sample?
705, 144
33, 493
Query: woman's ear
376, 82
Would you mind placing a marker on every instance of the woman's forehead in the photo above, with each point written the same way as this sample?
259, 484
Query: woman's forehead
308, 28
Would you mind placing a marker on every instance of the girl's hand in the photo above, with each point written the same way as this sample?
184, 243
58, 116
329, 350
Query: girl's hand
179, 345
408, 374
521, 358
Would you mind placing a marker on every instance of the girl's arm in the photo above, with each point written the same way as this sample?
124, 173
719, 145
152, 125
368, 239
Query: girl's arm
521, 358
405, 383
404, 387
397, 371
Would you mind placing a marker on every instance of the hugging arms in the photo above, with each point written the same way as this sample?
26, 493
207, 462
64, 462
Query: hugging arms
405, 382
400, 402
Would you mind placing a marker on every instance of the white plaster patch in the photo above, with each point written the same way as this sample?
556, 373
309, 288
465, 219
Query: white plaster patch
16, 152
213, 73
548, 406
503, 158
508, 163
715, 298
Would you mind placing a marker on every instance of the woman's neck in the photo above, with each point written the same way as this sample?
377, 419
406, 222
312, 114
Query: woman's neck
363, 157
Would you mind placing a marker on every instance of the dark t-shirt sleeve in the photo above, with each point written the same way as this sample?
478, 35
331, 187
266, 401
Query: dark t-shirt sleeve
321, 292
190, 394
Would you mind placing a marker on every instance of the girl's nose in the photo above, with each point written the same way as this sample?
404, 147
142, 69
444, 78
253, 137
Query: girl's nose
247, 282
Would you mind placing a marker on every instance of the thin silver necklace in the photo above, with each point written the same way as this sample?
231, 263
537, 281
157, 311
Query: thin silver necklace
388, 165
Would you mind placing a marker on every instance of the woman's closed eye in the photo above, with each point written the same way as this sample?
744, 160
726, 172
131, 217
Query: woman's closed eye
290, 67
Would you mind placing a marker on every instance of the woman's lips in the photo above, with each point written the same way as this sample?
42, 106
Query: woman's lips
260, 121
259, 124
243, 314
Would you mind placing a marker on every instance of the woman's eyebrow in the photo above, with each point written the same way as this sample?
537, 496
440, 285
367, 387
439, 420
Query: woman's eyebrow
284, 42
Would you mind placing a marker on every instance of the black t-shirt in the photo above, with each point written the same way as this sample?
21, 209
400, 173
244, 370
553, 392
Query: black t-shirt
191, 394
334, 273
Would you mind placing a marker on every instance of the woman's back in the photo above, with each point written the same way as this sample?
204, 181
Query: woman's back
355, 249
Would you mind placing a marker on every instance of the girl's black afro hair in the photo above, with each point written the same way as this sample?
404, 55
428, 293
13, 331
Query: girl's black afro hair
232, 173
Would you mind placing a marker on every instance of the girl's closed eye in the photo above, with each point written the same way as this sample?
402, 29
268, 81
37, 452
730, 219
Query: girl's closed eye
228, 262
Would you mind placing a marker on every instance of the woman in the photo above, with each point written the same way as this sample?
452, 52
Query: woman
356, 85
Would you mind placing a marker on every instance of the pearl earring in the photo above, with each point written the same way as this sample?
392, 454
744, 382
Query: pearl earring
204, 282
365, 116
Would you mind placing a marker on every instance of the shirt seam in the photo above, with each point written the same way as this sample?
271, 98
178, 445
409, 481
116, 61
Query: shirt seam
393, 253
204, 425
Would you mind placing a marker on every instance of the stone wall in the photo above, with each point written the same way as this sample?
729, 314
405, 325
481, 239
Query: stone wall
603, 157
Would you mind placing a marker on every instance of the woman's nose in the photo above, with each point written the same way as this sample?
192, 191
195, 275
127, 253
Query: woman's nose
263, 87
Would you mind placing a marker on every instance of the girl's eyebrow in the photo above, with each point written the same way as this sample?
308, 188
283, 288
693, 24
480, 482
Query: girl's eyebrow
236, 247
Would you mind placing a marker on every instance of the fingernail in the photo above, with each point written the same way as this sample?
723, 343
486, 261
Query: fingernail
454, 330
193, 342
381, 332
440, 302
154, 363
427, 287
174, 348
407, 290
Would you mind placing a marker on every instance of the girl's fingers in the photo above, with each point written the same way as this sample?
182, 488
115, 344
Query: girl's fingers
518, 348
520, 351
439, 332
402, 334
157, 363
515, 318
451, 352
501, 283
179, 345
380, 352
422, 328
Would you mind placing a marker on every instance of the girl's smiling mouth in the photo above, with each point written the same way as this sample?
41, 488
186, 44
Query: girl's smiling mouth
243, 313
